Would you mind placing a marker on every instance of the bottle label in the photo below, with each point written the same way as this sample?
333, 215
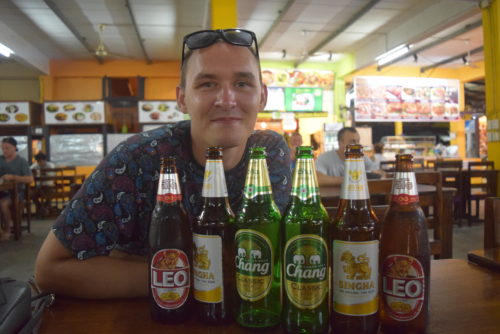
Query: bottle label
214, 181
254, 264
207, 268
168, 188
404, 188
305, 184
403, 286
306, 270
354, 185
257, 179
355, 277
170, 280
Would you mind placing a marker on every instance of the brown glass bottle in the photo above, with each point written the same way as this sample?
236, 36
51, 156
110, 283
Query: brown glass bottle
404, 256
170, 243
213, 242
355, 252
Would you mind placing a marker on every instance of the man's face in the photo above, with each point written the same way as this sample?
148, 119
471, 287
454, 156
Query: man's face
8, 150
222, 95
348, 137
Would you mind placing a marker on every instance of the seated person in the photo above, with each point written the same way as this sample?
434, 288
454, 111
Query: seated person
13, 168
43, 205
330, 164
378, 156
98, 245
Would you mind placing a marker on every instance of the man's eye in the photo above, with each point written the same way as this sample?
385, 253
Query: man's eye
206, 84
242, 84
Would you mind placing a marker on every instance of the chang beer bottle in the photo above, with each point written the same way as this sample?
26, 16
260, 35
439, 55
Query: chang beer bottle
258, 279
305, 258
213, 236
355, 252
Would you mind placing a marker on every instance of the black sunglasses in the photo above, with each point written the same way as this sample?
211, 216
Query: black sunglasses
204, 38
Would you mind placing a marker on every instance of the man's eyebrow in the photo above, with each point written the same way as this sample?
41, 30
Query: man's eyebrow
248, 75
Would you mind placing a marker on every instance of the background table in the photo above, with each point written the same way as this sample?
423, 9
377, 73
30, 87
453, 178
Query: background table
465, 298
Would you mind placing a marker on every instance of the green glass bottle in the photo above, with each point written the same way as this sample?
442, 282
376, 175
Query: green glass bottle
257, 243
305, 258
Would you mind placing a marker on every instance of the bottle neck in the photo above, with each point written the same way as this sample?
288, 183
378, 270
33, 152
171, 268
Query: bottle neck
404, 188
354, 185
257, 183
214, 182
169, 191
305, 183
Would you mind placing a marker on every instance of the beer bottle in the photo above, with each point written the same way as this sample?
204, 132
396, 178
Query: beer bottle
170, 245
404, 256
213, 254
355, 252
305, 259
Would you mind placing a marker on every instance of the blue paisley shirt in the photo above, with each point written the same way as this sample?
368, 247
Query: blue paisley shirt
113, 207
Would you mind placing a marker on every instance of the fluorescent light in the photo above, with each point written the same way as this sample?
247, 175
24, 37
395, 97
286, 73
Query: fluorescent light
392, 54
5, 51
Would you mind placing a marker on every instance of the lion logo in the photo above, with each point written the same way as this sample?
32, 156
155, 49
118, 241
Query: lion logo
356, 268
169, 261
355, 175
201, 259
401, 268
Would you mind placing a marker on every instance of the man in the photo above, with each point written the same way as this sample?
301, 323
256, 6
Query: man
42, 204
42, 162
97, 246
330, 165
13, 168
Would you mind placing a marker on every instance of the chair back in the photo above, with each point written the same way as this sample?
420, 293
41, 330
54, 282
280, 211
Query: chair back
492, 222
449, 164
478, 165
387, 165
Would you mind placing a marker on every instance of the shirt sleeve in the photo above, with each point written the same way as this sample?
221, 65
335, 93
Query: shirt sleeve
321, 164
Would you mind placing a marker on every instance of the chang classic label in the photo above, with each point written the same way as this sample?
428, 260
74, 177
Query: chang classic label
355, 277
403, 285
306, 270
207, 268
254, 264
170, 281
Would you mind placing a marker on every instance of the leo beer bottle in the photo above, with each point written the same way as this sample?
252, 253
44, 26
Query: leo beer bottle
404, 256
170, 245
213, 241
257, 243
306, 257
355, 252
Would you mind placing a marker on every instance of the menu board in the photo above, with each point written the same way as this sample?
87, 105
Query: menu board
392, 99
159, 112
72, 112
303, 99
298, 78
14, 113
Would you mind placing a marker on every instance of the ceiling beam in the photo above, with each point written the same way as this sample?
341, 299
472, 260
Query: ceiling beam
459, 32
71, 27
449, 60
276, 21
136, 28
340, 30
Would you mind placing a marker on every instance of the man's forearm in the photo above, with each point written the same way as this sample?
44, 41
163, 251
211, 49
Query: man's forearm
325, 180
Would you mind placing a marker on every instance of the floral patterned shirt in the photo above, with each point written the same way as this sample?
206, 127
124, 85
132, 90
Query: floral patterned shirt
113, 208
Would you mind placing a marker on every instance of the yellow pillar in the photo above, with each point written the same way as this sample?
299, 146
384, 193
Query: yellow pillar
491, 35
398, 128
224, 14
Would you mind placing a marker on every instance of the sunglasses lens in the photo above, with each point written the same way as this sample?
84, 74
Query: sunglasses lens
201, 39
239, 37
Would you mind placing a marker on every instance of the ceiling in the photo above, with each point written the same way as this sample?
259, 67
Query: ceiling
291, 30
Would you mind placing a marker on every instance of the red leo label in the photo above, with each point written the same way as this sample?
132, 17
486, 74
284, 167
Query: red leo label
403, 284
170, 281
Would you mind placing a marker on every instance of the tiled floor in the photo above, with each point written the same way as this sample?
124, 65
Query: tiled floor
17, 258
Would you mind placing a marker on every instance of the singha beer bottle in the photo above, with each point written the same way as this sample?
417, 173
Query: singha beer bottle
257, 243
170, 251
306, 235
213, 253
404, 256
355, 252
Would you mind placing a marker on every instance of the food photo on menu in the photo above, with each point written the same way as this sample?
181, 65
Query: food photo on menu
74, 112
14, 113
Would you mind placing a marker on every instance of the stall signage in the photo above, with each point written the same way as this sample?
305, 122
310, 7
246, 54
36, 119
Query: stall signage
303, 99
74, 112
159, 112
390, 99
12, 113
298, 78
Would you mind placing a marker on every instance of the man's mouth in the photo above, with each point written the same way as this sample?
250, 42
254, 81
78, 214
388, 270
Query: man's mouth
226, 120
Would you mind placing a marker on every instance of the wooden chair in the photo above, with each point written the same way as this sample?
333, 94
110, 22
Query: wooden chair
440, 164
451, 176
479, 185
492, 222
387, 165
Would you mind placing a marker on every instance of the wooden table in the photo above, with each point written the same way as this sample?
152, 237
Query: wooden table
489, 258
465, 298
11, 187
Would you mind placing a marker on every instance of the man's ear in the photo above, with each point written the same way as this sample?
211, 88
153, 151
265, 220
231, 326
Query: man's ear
181, 99
263, 97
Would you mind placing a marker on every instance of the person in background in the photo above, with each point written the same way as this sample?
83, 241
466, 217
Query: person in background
13, 168
43, 206
42, 162
294, 141
98, 245
330, 164
378, 156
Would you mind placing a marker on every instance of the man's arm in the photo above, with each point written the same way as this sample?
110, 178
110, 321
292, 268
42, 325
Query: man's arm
100, 277
325, 180
18, 178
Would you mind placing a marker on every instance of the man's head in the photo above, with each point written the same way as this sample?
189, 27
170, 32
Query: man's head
41, 159
9, 147
347, 136
295, 139
221, 88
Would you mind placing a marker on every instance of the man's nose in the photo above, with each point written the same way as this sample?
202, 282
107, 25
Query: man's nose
226, 97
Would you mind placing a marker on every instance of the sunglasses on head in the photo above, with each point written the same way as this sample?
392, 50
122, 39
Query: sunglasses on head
204, 38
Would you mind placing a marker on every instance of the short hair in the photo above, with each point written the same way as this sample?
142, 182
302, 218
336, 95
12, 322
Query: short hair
378, 147
40, 156
189, 52
340, 134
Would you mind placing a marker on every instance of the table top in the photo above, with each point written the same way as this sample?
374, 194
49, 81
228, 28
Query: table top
465, 298
334, 191
489, 258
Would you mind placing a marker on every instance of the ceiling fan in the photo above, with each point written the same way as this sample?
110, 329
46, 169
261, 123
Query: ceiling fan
101, 51
466, 59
